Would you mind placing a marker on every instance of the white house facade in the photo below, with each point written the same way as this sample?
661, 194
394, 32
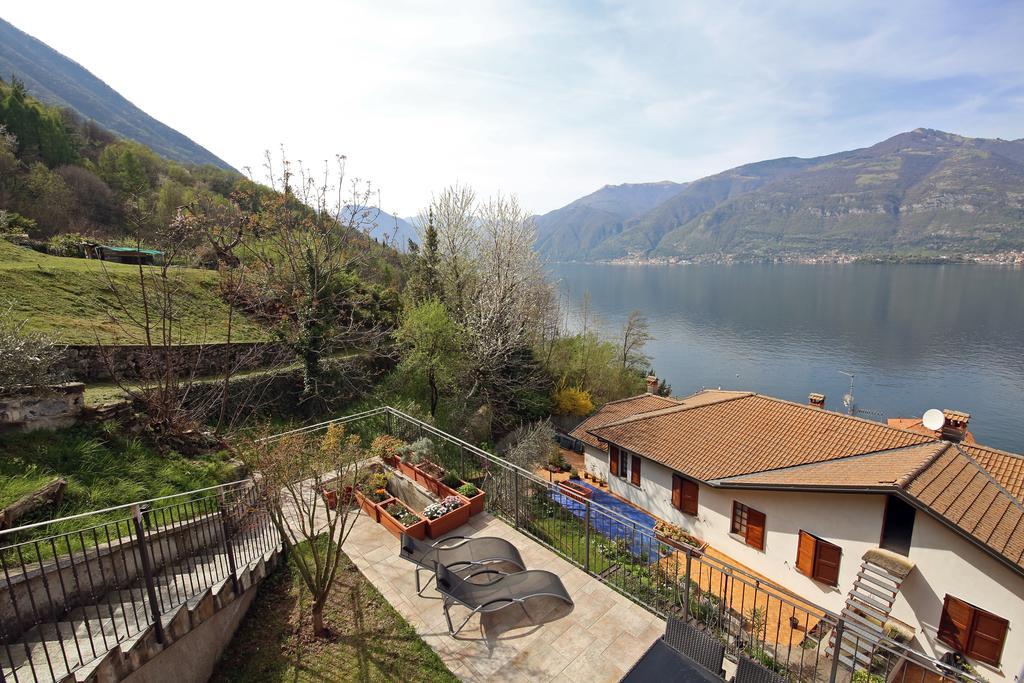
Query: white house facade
802, 495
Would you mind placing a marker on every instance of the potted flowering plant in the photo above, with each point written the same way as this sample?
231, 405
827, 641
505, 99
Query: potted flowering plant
386, 447
397, 518
446, 516
371, 493
675, 536
473, 495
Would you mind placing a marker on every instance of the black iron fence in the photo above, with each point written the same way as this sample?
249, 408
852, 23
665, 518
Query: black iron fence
82, 592
752, 616
70, 596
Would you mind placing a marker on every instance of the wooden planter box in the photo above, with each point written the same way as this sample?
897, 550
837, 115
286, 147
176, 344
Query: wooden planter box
447, 523
429, 481
575, 491
417, 530
407, 469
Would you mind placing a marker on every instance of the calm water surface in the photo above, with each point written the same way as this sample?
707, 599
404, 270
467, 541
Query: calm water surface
915, 336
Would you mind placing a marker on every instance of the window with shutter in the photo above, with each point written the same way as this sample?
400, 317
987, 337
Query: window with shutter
826, 562
691, 492
613, 460
818, 559
748, 523
635, 471
972, 631
805, 549
677, 492
755, 529
623, 463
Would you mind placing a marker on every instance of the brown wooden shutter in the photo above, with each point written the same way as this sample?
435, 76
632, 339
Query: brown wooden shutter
613, 460
677, 492
690, 493
988, 633
755, 529
955, 624
826, 562
634, 472
805, 551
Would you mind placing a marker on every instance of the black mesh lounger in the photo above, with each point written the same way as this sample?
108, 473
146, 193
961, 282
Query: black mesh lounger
456, 552
749, 671
662, 663
501, 592
700, 646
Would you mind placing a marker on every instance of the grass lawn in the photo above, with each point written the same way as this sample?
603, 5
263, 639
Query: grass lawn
370, 641
102, 469
70, 299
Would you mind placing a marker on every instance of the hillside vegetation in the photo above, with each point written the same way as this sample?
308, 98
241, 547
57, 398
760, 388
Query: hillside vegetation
57, 80
922, 192
70, 299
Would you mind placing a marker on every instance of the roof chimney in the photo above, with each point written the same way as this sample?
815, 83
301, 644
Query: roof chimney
955, 426
652, 384
816, 401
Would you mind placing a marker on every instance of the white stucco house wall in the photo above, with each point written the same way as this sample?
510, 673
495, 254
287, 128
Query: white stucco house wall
835, 477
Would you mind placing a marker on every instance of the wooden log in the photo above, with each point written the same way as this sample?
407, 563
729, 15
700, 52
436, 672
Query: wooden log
52, 493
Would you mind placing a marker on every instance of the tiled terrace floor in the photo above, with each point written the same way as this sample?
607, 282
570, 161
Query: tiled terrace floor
598, 639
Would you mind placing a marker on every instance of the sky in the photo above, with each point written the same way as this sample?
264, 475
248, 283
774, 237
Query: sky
546, 100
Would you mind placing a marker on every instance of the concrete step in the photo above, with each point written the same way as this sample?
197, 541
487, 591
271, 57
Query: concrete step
870, 599
880, 581
882, 572
856, 604
886, 595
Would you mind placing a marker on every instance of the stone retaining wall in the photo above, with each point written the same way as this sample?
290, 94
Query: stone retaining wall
92, 362
44, 407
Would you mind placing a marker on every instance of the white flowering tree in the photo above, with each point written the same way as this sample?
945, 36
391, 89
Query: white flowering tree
26, 359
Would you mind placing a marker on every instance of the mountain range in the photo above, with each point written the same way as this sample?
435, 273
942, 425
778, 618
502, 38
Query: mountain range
920, 192
55, 79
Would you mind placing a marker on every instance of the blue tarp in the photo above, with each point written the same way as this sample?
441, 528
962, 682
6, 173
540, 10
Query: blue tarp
625, 525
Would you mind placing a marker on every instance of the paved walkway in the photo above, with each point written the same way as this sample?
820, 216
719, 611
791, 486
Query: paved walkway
598, 639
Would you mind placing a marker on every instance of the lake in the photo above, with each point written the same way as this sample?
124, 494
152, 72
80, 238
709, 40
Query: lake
914, 336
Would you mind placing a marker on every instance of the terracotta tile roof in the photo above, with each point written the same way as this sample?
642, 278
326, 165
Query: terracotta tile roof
1006, 468
616, 410
914, 424
957, 488
874, 470
746, 433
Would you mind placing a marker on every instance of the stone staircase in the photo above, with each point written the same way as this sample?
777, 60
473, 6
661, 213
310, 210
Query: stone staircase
115, 634
868, 606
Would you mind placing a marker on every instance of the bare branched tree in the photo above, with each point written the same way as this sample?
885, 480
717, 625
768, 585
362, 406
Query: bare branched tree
311, 239
635, 335
292, 473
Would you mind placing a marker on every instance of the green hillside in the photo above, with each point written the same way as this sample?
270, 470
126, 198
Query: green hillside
70, 299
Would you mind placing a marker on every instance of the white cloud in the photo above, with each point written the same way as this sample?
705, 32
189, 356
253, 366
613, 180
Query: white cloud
548, 101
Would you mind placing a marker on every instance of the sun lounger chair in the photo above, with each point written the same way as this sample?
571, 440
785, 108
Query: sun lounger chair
749, 671
700, 646
662, 662
501, 592
457, 552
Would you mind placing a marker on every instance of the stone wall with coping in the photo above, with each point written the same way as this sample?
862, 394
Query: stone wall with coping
50, 407
90, 362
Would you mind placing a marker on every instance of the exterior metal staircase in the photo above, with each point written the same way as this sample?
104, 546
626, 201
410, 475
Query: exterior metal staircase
868, 606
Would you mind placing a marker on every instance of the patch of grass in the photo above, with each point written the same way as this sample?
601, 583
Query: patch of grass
70, 299
102, 469
369, 640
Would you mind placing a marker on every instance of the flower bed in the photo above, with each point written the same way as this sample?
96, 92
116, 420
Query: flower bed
675, 536
398, 518
446, 516
575, 491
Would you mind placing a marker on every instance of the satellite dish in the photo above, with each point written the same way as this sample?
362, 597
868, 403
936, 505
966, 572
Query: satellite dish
933, 419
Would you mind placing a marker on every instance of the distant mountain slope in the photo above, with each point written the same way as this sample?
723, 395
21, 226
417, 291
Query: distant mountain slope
922, 191
591, 220
55, 79
394, 231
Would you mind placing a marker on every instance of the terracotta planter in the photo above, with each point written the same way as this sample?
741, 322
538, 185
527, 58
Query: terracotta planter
417, 530
426, 474
476, 503
371, 508
330, 497
575, 491
407, 469
447, 523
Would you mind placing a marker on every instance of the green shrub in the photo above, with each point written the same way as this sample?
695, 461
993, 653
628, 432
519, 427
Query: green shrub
451, 480
69, 244
468, 490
